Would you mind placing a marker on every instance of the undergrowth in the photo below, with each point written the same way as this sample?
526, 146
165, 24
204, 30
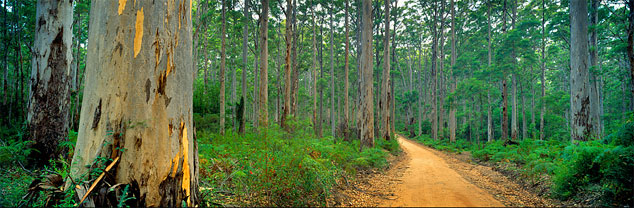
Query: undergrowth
276, 168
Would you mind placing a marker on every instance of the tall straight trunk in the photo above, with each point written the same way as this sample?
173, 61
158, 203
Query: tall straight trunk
386, 94
452, 107
514, 115
245, 41
321, 75
367, 106
287, 65
441, 77
524, 124
233, 101
5, 74
543, 74
630, 46
594, 70
332, 76
581, 128
223, 56
160, 159
314, 75
434, 79
532, 125
294, 69
75, 77
505, 115
263, 100
346, 85
256, 78
490, 134
49, 94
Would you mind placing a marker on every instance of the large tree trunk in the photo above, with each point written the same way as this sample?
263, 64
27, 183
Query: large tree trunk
452, 107
223, 57
524, 124
384, 105
49, 95
287, 65
367, 106
321, 75
143, 105
346, 105
314, 75
263, 115
581, 128
595, 68
441, 77
245, 41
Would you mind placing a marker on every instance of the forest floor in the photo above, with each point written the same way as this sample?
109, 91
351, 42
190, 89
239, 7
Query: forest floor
423, 176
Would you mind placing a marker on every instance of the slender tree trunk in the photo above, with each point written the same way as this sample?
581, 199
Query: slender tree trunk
245, 41
505, 116
384, 105
581, 127
490, 133
514, 115
314, 75
287, 66
367, 105
630, 46
452, 107
156, 114
321, 76
434, 79
524, 124
441, 77
223, 56
256, 80
263, 100
346, 105
49, 95
332, 76
543, 74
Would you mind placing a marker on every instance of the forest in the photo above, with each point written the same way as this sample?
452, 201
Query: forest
317, 103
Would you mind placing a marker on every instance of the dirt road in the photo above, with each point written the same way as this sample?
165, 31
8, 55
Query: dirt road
429, 181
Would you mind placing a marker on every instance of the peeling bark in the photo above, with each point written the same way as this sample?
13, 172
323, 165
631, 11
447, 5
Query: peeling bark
581, 128
49, 95
367, 105
116, 114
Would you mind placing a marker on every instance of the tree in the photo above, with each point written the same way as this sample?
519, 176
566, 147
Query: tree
346, 105
386, 94
490, 133
367, 106
580, 101
452, 106
287, 65
245, 41
505, 115
630, 44
316, 121
332, 73
263, 107
51, 79
138, 102
223, 57
543, 74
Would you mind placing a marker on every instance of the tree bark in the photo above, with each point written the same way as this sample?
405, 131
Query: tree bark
490, 133
630, 46
452, 107
143, 106
314, 75
346, 105
332, 75
263, 117
245, 41
49, 95
287, 66
367, 105
543, 74
384, 105
581, 128
505, 116
294, 66
223, 57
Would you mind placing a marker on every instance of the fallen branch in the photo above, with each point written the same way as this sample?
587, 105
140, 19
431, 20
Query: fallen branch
99, 179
